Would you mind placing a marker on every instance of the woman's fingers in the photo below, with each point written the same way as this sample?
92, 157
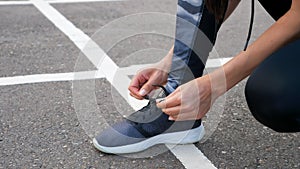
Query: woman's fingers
179, 113
136, 96
135, 86
172, 111
188, 102
147, 87
142, 83
185, 116
190, 115
171, 101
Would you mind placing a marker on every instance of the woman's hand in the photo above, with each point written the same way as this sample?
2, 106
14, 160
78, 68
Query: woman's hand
190, 101
142, 83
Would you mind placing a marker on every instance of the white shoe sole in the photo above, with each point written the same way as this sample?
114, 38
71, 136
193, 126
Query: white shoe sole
183, 137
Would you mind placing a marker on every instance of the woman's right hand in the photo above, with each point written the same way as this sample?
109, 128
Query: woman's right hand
142, 83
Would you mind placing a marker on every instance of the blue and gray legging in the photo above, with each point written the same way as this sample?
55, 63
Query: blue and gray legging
273, 89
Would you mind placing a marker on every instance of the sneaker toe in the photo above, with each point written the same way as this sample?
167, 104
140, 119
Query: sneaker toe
120, 134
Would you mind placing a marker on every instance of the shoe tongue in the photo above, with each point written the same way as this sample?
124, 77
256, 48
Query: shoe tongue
147, 114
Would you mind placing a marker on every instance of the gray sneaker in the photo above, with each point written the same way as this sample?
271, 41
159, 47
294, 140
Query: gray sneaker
145, 128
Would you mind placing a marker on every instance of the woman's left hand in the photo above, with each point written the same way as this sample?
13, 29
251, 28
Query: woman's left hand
189, 101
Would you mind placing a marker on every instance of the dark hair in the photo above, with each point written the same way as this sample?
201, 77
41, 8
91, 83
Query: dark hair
217, 7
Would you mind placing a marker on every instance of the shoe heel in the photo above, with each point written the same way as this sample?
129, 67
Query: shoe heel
193, 136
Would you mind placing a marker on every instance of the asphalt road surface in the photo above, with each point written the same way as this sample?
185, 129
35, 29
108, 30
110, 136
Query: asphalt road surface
39, 127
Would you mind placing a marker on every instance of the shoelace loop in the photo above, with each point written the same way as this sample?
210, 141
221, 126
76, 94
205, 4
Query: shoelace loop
162, 87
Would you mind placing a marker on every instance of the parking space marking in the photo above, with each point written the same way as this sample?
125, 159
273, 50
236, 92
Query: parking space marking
78, 1
105, 64
86, 75
88, 47
41, 78
15, 3
52, 2
198, 160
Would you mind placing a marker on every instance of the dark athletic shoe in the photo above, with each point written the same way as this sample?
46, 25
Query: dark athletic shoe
145, 128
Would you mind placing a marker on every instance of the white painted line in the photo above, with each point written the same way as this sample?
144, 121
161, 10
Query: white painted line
15, 3
80, 39
56, 77
85, 75
191, 157
78, 1
91, 50
40, 78
53, 2
211, 63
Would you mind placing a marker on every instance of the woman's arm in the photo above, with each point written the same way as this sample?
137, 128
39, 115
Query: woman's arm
285, 30
193, 100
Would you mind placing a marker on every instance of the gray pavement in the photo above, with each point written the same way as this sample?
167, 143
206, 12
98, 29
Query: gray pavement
38, 123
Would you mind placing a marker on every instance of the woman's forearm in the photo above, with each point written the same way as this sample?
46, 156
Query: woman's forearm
168, 57
279, 34
166, 62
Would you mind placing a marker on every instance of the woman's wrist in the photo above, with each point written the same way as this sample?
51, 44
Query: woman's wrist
214, 83
166, 62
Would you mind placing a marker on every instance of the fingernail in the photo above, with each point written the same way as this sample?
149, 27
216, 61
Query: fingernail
142, 92
171, 118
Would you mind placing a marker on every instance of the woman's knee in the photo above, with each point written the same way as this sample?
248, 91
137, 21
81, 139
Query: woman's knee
262, 105
272, 91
